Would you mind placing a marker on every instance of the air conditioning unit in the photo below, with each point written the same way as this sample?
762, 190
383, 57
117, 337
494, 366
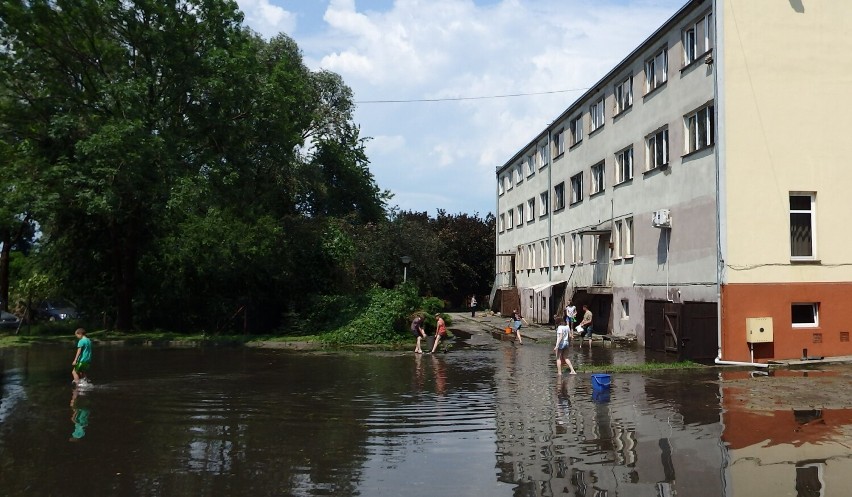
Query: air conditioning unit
662, 219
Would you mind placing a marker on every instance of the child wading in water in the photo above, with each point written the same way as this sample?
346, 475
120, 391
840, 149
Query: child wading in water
563, 343
83, 357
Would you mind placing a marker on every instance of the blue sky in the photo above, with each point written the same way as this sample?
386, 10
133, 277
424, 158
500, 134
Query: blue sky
444, 154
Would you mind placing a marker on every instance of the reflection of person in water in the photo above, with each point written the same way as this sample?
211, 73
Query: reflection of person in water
80, 418
440, 376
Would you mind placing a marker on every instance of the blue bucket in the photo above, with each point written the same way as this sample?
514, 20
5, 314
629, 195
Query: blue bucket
601, 381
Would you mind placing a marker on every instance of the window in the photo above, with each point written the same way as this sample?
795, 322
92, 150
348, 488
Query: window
531, 254
520, 218
596, 243
625, 309
500, 184
577, 188
544, 248
508, 180
530, 209
576, 126
617, 243
598, 173
697, 39
700, 131
624, 165
657, 150
542, 204
559, 242
656, 69
530, 165
519, 174
542, 156
559, 143
576, 248
623, 94
559, 196
627, 242
596, 114
805, 315
502, 222
802, 226
510, 218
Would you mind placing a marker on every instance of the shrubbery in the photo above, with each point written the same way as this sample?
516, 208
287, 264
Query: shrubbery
384, 317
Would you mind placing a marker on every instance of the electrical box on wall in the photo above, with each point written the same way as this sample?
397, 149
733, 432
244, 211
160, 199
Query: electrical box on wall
662, 219
759, 330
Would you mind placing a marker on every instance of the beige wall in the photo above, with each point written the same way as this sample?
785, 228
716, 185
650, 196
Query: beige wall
786, 125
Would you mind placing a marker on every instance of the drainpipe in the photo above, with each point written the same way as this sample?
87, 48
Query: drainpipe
718, 105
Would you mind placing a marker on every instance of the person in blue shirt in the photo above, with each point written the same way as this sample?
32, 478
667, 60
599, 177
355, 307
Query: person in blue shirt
83, 358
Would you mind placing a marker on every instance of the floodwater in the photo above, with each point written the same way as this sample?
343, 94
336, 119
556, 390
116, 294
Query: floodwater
477, 421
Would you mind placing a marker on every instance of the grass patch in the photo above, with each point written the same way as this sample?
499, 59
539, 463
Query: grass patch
639, 368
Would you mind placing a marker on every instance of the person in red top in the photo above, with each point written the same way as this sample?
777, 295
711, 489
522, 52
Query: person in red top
440, 331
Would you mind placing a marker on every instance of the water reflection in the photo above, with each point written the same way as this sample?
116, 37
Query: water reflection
476, 422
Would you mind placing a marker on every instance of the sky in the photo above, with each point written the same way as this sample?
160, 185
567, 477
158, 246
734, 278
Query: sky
463, 57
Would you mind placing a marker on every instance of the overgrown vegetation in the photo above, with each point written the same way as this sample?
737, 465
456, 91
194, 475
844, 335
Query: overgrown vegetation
640, 368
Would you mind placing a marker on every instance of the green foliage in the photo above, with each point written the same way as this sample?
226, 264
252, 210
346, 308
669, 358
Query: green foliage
385, 318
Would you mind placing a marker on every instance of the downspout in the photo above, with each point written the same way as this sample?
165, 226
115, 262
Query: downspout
718, 105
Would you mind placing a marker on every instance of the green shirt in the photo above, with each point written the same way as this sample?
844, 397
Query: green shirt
85, 346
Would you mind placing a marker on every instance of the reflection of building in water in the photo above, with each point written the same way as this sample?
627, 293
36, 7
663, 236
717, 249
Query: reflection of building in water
800, 451
553, 438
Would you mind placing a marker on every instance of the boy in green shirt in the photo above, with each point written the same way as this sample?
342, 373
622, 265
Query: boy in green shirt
83, 357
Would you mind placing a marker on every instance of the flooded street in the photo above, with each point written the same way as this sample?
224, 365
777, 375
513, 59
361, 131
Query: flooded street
492, 420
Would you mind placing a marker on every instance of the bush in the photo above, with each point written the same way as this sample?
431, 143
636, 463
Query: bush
384, 319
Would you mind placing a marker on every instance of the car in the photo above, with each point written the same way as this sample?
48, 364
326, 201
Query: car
56, 310
9, 321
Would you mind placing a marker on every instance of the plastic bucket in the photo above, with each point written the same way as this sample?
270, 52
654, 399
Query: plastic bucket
508, 330
601, 381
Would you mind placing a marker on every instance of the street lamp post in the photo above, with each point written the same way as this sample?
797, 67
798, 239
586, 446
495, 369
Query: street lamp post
405, 262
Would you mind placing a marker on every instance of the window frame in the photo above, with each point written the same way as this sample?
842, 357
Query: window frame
576, 127
811, 212
510, 218
597, 117
651, 150
692, 123
628, 238
520, 212
699, 45
531, 210
544, 205
622, 100
577, 188
814, 323
620, 165
559, 196
576, 248
597, 174
559, 142
655, 78
502, 225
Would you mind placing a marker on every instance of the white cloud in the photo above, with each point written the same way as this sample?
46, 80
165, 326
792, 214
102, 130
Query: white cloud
418, 49
267, 19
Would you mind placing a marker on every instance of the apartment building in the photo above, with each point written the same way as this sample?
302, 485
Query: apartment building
695, 196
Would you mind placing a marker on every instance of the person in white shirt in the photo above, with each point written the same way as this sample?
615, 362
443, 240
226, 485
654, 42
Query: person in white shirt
563, 343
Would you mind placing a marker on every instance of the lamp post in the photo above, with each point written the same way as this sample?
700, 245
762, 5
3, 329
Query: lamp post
405, 262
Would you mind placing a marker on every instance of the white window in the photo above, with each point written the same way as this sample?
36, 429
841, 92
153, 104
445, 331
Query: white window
699, 132
805, 315
596, 242
500, 185
576, 126
510, 218
656, 70
531, 252
530, 165
519, 174
657, 149
559, 143
617, 242
577, 188
544, 248
697, 39
598, 174
530, 209
542, 204
508, 180
624, 165
596, 114
520, 218
576, 248
625, 309
542, 156
561, 250
623, 94
627, 241
802, 226
559, 196
502, 222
